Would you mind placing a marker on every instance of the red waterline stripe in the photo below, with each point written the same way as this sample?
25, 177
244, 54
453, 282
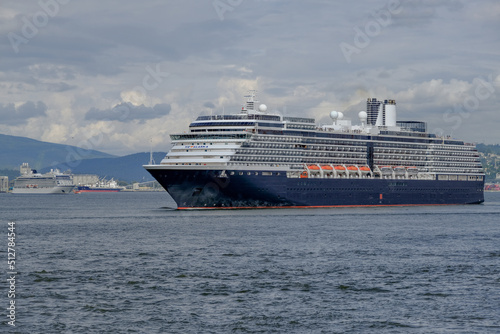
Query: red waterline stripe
303, 207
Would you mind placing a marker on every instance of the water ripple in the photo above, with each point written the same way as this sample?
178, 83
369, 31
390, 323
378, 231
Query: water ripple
128, 265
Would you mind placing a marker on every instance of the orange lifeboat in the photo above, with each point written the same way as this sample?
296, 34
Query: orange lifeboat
313, 167
327, 167
364, 168
339, 168
303, 175
352, 168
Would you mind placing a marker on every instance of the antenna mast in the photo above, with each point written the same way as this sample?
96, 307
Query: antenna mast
151, 160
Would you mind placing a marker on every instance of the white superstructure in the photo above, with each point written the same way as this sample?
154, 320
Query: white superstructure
53, 182
255, 139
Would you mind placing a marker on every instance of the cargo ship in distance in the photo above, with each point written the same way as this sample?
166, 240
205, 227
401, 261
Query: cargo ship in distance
259, 159
102, 186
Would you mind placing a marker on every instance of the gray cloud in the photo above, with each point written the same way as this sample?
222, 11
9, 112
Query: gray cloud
209, 105
92, 52
59, 87
12, 115
126, 112
416, 13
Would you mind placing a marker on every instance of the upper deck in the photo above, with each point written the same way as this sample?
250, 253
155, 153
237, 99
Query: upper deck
261, 139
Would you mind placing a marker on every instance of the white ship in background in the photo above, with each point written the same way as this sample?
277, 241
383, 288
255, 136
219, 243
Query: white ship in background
53, 182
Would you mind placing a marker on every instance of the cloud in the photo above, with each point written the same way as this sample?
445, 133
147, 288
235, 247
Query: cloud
59, 87
12, 115
418, 13
209, 105
92, 54
127, 112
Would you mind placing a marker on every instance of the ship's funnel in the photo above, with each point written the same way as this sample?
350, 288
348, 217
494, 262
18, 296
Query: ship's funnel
390, 112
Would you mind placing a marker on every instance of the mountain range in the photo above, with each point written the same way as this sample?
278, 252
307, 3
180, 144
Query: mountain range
42, 156
16, 150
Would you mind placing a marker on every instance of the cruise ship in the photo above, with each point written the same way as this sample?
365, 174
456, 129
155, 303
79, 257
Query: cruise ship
254, 158
31, 182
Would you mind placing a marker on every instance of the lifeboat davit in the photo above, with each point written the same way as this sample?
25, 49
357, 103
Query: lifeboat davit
412, 169
386, 169
399, 169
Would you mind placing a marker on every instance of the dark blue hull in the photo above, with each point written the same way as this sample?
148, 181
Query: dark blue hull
254, 189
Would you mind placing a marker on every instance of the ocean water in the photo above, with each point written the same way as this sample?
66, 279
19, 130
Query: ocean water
128, 263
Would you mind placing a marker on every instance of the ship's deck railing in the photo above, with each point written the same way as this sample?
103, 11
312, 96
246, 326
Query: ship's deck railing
238, 117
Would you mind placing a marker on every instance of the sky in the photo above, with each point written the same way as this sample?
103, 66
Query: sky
120, 76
